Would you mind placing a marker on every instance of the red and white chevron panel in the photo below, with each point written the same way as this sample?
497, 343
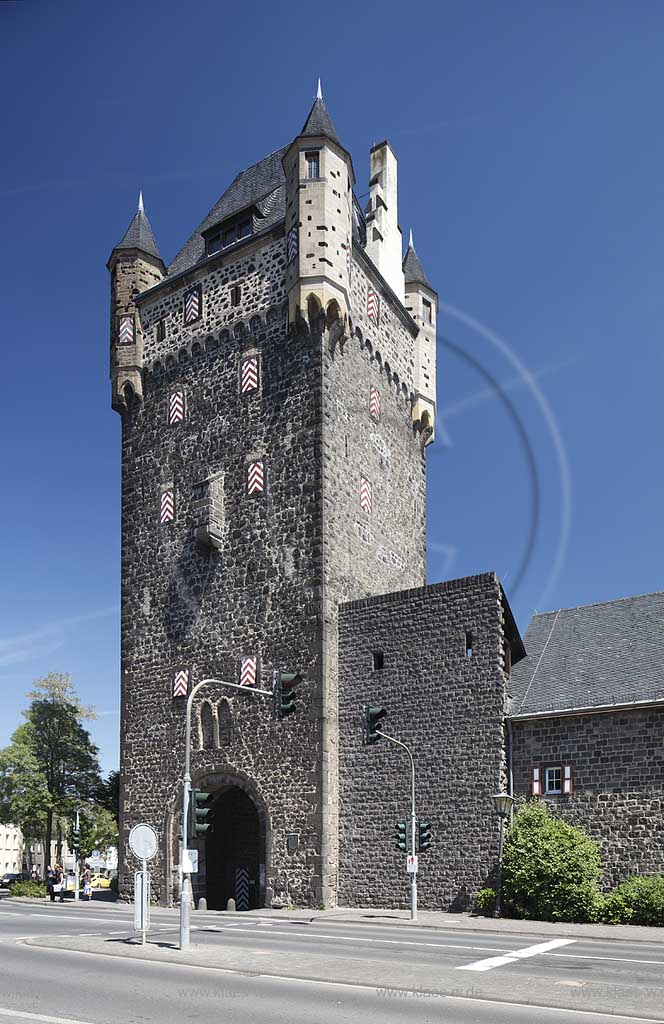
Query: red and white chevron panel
248, 672
126, 330
536, 783
255, 477
292, 243
374, 403
193, 304
181, 682
372, 305
249, 376
167, 508
366, 495
176, 407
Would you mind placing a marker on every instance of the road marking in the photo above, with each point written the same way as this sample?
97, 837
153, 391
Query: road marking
517, 954
616, 959
391, 942
24, 1015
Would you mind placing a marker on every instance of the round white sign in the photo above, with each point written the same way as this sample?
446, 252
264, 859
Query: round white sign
143, 842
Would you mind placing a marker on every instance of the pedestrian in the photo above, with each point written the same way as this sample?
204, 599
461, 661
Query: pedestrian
87, 882
60, 883
50, 882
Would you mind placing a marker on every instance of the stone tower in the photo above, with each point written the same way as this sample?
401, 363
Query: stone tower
272, 468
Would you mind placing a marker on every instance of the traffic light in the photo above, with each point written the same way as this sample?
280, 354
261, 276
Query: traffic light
75, 839
424, 835
401, 834
372, 718
199, 812
285, 684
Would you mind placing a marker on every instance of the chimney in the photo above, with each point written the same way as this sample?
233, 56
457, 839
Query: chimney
383, 231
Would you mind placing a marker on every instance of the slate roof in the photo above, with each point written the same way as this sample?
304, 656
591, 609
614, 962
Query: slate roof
139, 235
262, 184
594, 655
319, 122
414, 271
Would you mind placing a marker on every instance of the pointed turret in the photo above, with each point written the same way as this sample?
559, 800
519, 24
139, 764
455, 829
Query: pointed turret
135, 265
319, 205
422, 304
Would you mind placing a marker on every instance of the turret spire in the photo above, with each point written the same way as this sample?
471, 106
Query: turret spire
319, 91
410, 240
140, 202
139, 233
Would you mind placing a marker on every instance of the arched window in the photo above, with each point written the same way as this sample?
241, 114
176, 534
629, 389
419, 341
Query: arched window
225, 717
207, 726
313, 308
333, 312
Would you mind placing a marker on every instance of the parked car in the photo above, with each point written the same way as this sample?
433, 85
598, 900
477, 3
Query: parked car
98, 881
8, 878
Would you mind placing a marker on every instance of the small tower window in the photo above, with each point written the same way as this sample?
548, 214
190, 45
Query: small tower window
470, 645
378, 660
236, 295
161, 329
313, 165
427, 311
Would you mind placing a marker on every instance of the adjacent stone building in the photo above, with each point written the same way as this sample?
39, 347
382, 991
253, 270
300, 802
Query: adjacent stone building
587, 726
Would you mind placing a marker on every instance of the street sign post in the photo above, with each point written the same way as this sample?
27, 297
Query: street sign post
142, 901
143, 843
411, 864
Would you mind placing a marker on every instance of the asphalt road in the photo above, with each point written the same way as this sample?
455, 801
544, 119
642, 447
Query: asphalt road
280, 970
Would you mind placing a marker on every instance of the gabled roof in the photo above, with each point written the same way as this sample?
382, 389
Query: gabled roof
319, 122
139, 234
592, 656
413, 270
262, 183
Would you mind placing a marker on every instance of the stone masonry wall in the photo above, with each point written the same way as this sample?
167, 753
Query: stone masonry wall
449, 708
617, 762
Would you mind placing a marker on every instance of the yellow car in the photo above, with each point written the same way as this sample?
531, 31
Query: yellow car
100, 882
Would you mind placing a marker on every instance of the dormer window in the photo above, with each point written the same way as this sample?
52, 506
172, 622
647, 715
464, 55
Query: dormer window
313, 164
427, 312
228, 233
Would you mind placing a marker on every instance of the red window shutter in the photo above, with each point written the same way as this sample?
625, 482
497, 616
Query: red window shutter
536, 783
568, 785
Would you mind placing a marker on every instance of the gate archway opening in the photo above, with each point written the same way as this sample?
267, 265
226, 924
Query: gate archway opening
234, 852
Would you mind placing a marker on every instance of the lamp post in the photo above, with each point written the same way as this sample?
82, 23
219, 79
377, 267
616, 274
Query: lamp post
502, 803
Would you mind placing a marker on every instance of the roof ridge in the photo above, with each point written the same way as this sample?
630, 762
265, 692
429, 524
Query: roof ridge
599, 604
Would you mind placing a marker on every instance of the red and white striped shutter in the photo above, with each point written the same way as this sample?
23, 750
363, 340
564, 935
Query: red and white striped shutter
167, 506
249, 375
248, 671
256, 477
372, 305
175, 407
568, 785
181, 682
292, 244
536, 783
374, 403
366, 495
126, 330
193, 304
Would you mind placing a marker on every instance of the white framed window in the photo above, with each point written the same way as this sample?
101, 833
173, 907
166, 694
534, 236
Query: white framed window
313, 164
553, 780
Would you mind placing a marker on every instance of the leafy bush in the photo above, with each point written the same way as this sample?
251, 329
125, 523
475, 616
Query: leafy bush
485, 902
639, 900
550, 869
27, 889
613, 908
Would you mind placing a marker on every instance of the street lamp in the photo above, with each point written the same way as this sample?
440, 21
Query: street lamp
502, 803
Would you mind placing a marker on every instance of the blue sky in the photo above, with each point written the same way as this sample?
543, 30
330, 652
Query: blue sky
531, 171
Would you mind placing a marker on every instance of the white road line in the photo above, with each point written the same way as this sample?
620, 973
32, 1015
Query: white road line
24, 1015
390, 942
517, 954
615, 959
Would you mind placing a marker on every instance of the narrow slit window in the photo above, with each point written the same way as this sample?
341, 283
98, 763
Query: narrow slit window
378, 660
236, 295
470, 645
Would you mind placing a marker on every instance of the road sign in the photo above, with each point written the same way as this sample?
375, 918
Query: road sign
190, 861
143, 841
142, 902
411, 864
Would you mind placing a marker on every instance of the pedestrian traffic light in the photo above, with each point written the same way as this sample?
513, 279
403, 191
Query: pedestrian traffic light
285, 684
424, 835
199, 813
372, 718
401, 833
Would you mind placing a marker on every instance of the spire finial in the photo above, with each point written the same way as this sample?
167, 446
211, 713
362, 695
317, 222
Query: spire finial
319, 91
140, 202
410, 240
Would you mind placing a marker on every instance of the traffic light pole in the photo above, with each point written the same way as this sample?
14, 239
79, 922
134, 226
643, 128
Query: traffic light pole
413, 821
77, 879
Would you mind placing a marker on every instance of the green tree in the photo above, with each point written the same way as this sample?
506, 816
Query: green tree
550, 869
51, 764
